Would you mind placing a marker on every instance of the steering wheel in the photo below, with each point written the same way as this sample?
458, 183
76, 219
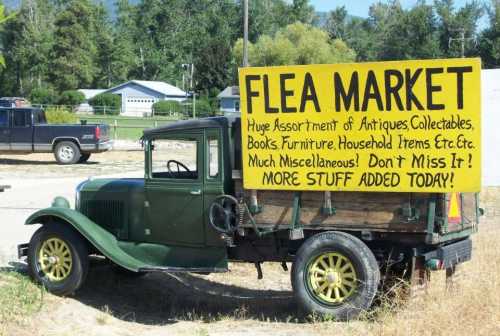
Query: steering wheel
224, 214
179, 165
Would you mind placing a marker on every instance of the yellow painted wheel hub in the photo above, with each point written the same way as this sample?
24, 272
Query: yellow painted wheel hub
55, 259
332, 278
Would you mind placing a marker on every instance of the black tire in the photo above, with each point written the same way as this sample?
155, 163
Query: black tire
78, 268
84, 157
361, 260
67, 152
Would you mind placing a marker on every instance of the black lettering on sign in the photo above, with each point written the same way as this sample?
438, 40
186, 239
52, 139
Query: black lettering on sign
410, 96
460, 83
432, 88
267, 107
250, 93
286, 93
393, 90
372, 92
309, 93
347, 97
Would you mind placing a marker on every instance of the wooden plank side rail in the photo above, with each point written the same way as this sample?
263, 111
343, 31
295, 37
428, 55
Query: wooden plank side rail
394, 212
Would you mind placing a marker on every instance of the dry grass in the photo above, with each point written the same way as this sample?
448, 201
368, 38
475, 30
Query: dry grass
471, 308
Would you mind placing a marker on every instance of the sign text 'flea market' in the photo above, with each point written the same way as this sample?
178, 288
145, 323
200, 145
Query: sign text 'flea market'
296, 138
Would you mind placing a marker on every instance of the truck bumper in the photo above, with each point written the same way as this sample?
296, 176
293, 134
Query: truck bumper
449, 255
22, 250
97, 148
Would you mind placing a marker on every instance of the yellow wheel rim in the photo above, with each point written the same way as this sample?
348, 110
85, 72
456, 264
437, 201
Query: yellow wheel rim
55, 259
332, 278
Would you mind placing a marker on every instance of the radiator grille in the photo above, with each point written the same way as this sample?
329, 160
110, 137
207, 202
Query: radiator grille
107, 213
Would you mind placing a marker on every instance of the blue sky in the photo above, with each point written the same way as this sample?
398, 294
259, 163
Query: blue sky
360, 8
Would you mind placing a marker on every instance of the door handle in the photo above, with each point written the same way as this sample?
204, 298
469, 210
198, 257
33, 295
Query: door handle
195, 192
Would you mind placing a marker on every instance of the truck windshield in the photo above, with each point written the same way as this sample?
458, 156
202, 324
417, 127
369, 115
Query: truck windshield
174, 158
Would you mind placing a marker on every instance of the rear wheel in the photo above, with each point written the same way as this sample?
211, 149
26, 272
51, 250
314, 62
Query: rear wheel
336, 275
58, 259
67, 152
84, 157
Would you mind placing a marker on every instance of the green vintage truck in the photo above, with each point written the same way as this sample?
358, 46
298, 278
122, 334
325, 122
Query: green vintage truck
190, 213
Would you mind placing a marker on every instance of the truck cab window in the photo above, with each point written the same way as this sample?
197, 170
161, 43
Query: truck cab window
39, 118
4, 119
21, 118
174, 159
213, 157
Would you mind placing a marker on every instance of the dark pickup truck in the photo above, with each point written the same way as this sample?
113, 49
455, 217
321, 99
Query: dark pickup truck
25, 130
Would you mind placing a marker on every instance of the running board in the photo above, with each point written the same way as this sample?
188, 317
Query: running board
167, 269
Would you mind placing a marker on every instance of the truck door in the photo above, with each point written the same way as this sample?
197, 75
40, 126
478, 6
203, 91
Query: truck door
4, 129
174, 190
21, 134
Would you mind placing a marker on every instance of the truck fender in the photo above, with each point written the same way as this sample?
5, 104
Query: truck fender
101, 239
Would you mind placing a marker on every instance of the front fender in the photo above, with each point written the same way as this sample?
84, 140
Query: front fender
101, 239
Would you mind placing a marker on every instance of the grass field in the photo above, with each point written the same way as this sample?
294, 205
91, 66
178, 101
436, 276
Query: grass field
127, 128
19, 299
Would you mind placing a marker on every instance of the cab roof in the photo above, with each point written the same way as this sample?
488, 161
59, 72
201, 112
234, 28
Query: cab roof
212, 122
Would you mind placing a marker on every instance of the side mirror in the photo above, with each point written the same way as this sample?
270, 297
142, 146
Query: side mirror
481, 211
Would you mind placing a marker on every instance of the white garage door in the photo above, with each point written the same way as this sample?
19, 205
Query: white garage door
138, 106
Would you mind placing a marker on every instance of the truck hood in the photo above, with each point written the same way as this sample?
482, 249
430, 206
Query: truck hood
108, 189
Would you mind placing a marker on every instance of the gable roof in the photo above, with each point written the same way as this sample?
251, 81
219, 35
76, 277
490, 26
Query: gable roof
91, 93
230, 92
157, 86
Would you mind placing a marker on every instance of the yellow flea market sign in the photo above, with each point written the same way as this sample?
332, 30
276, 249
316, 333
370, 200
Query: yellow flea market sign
410, 126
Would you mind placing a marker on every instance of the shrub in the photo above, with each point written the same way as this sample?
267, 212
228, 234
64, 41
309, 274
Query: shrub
167, 107
72, 98
58, 115
106, 103
204, 108
43, 96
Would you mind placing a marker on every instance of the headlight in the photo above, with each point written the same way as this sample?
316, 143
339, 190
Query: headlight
77, 196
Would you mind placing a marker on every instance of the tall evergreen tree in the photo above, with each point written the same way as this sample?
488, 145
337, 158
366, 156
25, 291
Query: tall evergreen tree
489, 44
73, 52
29, 39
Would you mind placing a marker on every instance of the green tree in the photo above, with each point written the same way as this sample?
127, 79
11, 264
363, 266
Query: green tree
43, 96
4, 18
451, 24
73, 52
29, 37
296, 44
114, 57
489, 43
72, 98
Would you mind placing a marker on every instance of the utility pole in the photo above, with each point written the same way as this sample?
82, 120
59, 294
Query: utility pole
462, 40
254, 200
245, 33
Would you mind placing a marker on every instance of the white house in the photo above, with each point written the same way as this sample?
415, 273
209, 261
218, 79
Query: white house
139, 96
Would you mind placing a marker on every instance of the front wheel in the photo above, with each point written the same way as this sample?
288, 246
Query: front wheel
58, 259
335, 275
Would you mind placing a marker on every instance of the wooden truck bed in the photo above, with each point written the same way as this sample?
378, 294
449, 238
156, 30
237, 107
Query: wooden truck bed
360, 211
